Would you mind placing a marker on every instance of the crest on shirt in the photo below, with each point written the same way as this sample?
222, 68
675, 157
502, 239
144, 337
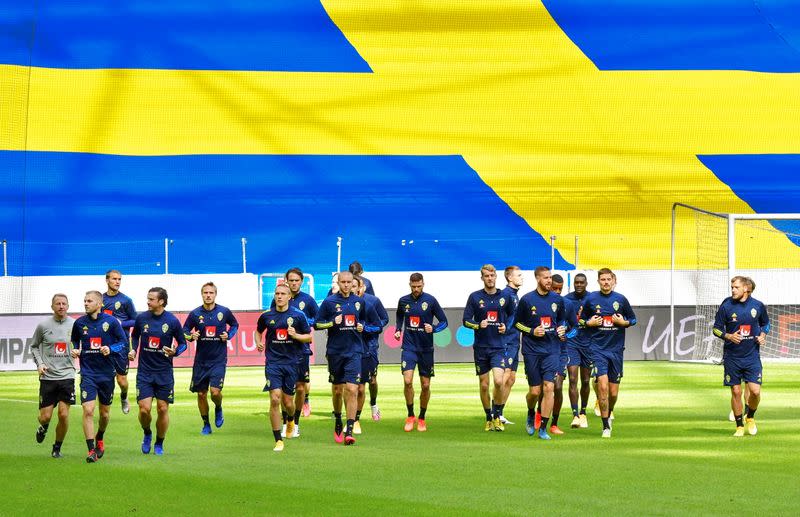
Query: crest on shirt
554, 306
302, 305
200, 319
219, 316
358, 306
481, 303
85, 330
105, 326
733, 317
289, 321
164, 328
407, 307
424, 306
271, 322
753, 313
146, 328
533, 310
117, 305
502, 301
615, 305
597, 308
338, 308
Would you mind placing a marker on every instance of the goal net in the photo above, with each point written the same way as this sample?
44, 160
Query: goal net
708, 249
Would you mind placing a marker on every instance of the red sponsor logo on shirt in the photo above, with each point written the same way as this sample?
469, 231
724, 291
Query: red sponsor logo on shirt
491, 316
546, 322
211, 331
281, 334
95, 343
61, 348
608, 321
744, 330
350, 320
108, 311
153, 342
413, 321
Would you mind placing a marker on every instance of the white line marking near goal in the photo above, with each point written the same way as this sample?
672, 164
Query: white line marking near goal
19, 400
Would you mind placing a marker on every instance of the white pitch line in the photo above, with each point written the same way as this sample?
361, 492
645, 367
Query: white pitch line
19, 400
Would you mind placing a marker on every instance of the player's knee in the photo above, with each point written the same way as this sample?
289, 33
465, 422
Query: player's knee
216, 392
63, 412
755, 391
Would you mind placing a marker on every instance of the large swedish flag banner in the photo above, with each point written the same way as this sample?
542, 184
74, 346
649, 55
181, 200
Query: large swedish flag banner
476, 129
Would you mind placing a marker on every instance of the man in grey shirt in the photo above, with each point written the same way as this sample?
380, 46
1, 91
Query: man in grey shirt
51, 353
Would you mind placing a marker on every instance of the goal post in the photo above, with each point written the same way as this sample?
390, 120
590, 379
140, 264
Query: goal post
709, 248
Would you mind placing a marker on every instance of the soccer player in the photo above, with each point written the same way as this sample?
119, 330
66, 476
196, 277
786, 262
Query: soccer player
358, 270
154, 335
606, 314
121, 307
94, 337
414, 320
306, 304
287, 330
211, 326
342, 315
376, 318
580, 358
557, 286
486, 312
742, 323
541, 318
56, 370
513, 275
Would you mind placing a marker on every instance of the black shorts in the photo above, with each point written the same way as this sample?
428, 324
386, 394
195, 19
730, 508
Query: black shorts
53, 392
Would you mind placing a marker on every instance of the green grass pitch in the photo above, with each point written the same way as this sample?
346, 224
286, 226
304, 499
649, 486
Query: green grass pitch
672, 453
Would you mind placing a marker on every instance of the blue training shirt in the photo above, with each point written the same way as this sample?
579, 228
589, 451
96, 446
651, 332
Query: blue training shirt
89, 335
210, 324
410, 319
607, 337
376, 318
343, 338
306, 304
497, 309
512, 333
545, 310
279, 347
151, 335
121, 307
750, 318
577, 337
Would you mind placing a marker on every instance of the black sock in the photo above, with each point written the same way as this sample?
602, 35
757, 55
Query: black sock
90, 444
410, 408
290, 418
297, 414
99, 435
422, 411
147, 431
583, 410
739, 422
555, 418
544, 423
488, 412
746, 409
338, 417
284, 415
57, 446
496, 411
306, 400
123, 394
575, 410
751, 412
605, 423
277, 435
502, 408
159, 440
205, 419
349, 429
373, 401
45, 426
358, 415
531, 412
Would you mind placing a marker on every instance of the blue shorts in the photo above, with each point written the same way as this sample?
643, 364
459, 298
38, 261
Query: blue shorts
512, 356
161, 386
579, 356
541, 368
207, 374
563, 362
410, 359
280, 377
607, 363
487, 359
120, 362
97, 388
344, 370
742, 369
369, 366
304, 369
